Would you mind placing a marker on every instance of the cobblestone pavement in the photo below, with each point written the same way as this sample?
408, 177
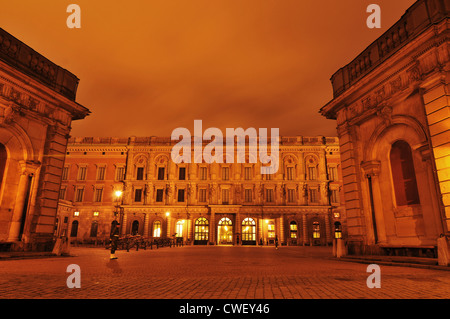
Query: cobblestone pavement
215, 272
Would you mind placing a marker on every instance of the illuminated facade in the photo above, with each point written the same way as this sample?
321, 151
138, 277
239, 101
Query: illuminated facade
228, 204
392, 109
37, 106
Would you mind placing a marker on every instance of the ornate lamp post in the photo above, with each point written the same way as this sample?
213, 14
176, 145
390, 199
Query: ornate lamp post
117, 208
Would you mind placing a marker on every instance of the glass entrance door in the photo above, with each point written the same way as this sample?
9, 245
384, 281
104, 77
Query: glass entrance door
248, 231
225, 232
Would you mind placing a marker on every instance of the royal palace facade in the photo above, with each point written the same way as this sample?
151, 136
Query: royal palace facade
135, 181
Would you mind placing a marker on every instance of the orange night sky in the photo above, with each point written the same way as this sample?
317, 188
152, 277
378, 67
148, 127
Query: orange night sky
148, 67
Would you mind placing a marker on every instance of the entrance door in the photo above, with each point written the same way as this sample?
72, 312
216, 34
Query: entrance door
248, 231
225, 232
201, 231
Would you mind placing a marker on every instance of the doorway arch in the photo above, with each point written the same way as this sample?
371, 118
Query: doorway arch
248, 231
201, 231
225, 232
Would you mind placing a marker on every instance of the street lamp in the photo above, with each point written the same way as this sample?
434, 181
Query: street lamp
118, 195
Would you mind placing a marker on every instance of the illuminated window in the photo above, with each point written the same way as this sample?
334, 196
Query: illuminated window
403, 174
293, 229
201, 230
157, 229
248, 230
76, 214
96, 214
180, 224
337, 230
271, 229
316, 230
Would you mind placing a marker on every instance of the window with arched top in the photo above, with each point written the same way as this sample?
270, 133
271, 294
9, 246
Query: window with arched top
94, 228
201, 229
403, 174
157, 228
337, 230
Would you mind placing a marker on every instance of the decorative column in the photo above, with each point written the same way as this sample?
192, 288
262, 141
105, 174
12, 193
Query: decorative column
371, 171
327, 229
212, 229
17, 227
239, 226
305, 230
124, 224
146, 218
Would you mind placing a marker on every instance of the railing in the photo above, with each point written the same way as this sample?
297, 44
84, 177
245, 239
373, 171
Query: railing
139, 242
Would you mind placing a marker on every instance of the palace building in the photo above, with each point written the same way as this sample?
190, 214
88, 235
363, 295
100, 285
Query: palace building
37, 106
135, 180
392, 108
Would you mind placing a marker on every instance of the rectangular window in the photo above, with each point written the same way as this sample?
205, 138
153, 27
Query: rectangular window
312, 173
247, 173
140, 174
98, 195
202, 195
335, 196
181, 195
138, 195
269, 195
203, 173
79, 194
101, 173
291, 195
248, 195
225, 196
182, 173
65, 173
313, 196
62, 193
120, 173
290, 173
82, 173
159, 195
160, 173
332, 172
225, 173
